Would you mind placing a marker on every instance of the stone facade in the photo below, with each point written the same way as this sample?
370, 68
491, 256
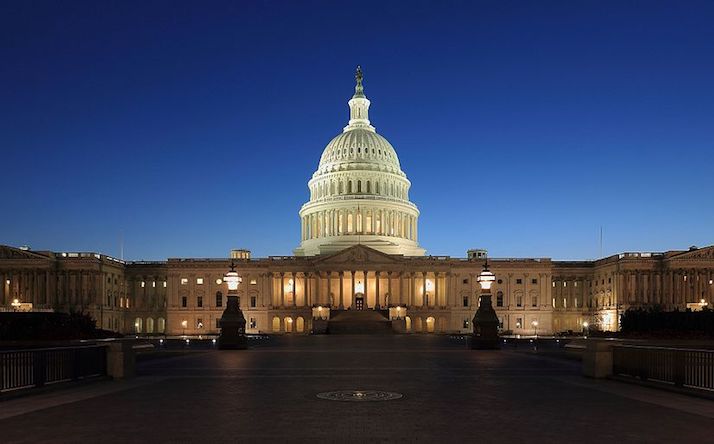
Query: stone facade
285, 293
358, 250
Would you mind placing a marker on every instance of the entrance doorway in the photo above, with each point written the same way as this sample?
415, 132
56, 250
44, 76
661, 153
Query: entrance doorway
359, 301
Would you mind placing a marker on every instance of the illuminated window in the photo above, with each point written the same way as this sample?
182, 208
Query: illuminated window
219, 281
164, 284
253, 282
554, 284
153, 284
565, 284
253, 323
565, 303
519, 322
184, 281
199, 281
143, 284
253, 301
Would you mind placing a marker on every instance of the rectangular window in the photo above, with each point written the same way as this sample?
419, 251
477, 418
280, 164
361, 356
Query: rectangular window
253, 282
184, 301
534, 281
519, 322
253, 323
565, 303
554, 284
199, 301
143, 284
199, 323
466, 281
519, 281
519, 301
184, 281
499, 299
164, 284
219, 299
534, 301
553, 302
466, 323
153, 284
199, 281
253, 301
466, 301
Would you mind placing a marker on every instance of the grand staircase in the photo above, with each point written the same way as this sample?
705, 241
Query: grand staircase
359, 322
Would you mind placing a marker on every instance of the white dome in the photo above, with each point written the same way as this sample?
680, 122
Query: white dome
356, 147
359, 193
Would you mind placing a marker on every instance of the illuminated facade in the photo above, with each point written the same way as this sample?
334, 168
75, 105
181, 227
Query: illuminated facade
358, 251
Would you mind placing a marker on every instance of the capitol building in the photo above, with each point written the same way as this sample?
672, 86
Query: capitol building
358, 263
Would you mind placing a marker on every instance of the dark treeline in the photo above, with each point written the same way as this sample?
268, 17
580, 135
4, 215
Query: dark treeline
655, 320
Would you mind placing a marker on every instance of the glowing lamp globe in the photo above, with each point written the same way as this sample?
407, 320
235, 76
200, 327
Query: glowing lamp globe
232, 279
486, 278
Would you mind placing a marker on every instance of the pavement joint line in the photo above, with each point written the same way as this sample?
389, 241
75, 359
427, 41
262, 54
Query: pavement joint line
661, 398
68, 395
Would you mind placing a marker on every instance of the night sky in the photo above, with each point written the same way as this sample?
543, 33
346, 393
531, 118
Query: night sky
189, 128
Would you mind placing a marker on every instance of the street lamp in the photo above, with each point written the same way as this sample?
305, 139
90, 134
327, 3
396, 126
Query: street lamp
15, 304
232, 321
535, 328
585, 328
485, 321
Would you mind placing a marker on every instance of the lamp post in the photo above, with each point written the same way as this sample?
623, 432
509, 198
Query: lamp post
15, 304
585, 328
232, 321
535, 328
485, 321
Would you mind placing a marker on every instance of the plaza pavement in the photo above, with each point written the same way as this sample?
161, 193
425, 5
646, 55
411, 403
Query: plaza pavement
268, 394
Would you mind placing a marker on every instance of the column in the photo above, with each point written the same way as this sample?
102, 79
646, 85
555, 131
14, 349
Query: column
401, 288
318, 281
389, 290
366, 290
437, 302
412, 295
282, 289
329, 290
376, 289
293, 276
353, 290
342, 279
307, 289
424, 302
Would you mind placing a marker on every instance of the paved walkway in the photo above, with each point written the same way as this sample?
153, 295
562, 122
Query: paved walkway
268, 394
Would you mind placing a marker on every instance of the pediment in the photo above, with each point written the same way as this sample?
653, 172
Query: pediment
7, 252
359, 254
705, 253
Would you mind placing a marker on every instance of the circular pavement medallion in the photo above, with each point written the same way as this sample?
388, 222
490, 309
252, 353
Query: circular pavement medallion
359, 395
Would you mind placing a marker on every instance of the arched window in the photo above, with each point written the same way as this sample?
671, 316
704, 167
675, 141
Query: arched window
408, 323
137, 325
276, 324
300, 324
359, 186
340, 187
499, 299
368, 187
349, 187
288, 324
430, 321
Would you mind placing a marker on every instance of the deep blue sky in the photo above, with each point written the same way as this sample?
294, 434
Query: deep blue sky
190, 128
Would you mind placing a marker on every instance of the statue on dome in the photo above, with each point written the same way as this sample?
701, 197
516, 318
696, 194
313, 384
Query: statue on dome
358, 75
